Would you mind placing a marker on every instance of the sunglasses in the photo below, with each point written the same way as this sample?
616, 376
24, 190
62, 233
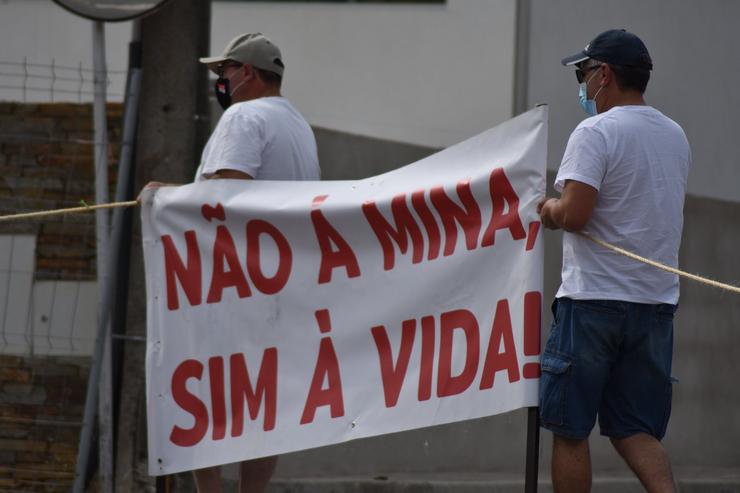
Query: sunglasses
581, 72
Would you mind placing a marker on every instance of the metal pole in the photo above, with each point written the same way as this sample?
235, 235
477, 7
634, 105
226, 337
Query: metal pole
521, 58
130, 118
533, 450
102, 218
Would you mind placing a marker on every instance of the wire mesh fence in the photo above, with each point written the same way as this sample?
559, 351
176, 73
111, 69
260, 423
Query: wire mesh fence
47, 267
25, 81
48, 289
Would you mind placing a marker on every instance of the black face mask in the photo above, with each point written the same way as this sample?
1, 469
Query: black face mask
222, 88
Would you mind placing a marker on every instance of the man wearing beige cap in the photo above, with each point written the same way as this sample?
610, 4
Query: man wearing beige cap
259, 136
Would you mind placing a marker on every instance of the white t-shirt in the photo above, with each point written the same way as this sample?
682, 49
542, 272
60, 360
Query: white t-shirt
266, 138
638, 159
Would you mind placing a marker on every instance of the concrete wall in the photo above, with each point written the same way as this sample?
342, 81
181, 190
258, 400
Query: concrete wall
429, 74
705, 426
44, 33
692, 82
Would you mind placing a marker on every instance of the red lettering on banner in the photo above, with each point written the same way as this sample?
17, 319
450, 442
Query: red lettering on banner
327, 368
532, 327
500, 354
224, 250
503, 197
328, 237
534, 228
267, 285
505, 360
189, 277
430, 224
218, 401
265, 390
394, 374
187, 437
467, 216
426, 368
447, 384
405, 226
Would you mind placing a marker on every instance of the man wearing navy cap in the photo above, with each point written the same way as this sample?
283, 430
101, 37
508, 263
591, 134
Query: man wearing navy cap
623, 180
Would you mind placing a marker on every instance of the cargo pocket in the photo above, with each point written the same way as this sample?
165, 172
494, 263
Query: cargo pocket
553, 388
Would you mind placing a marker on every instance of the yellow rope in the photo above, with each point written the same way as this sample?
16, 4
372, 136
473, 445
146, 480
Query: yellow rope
57, 212
621, 251
664, 267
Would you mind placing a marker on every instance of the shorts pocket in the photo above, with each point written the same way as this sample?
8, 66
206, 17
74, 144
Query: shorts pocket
553, 388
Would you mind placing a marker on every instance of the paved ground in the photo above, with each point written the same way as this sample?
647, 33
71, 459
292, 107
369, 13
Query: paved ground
689, 480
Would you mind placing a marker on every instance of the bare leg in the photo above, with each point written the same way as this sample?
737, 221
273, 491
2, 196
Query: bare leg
571, 465
648, 460
255, 474
208, 480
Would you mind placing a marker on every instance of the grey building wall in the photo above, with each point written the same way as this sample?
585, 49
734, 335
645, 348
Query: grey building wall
705, 426
695, 78
693, 46
684, 38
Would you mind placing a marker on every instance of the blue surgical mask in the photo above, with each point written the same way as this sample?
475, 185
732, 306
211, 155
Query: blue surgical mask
588, 105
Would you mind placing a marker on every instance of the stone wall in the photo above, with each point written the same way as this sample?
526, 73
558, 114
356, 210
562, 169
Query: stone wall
41, 406
47, 162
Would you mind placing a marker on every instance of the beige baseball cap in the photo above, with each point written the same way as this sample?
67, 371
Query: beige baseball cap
252, 48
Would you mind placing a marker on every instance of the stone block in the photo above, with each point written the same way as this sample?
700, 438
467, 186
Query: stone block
14, 431
15, 375
9, 361
21, 393
80, 124
77, 148
77, 161
62, 448
22, 185
15, 445
32, 457
50, 366
7, 107
62, 264
69, 110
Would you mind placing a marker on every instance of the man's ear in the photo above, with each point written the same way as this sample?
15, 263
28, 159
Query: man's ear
606, 75
249, 71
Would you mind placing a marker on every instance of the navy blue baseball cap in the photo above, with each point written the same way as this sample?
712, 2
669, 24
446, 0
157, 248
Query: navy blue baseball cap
615, 46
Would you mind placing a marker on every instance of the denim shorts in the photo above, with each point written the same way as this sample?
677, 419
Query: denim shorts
611, 359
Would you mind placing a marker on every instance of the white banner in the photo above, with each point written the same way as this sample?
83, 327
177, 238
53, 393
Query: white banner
289, 315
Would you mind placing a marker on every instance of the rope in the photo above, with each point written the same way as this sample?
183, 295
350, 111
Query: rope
70, 210
621, 251
658, 265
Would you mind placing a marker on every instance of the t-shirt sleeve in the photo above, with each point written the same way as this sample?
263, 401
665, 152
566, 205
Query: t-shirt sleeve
584, 159
238, 141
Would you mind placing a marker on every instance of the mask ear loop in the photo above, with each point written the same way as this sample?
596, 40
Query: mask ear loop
241, 83
589, 80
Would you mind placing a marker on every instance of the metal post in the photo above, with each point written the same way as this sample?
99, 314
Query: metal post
533, 450
130, 118
105, 401
521, 57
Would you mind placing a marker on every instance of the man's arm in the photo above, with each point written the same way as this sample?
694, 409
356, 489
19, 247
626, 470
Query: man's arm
231, 173
572, 210
222, 173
